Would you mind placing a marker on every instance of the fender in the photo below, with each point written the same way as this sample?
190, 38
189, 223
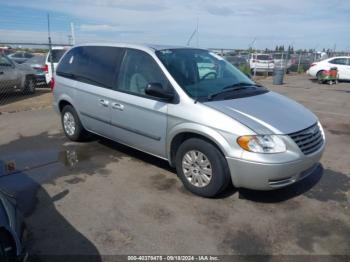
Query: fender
205, 131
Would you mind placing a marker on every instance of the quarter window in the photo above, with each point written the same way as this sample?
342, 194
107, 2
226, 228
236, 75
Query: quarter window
92, 64
138, 70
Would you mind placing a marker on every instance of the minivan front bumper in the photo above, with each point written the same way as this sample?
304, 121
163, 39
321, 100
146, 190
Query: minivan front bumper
267, 176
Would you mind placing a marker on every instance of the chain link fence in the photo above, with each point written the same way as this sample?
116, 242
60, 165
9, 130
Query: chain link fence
25, 75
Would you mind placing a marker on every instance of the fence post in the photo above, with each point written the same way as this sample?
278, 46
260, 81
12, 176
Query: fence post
298, 70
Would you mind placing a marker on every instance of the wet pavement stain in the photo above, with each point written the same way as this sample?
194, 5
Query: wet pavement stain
320, 232
157, 212
212, 217
162, 182
115, 238
41, 153
245, 242
75, 180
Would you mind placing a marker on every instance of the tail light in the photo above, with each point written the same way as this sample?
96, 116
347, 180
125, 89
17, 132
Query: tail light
52, 84
313, 64
46, 68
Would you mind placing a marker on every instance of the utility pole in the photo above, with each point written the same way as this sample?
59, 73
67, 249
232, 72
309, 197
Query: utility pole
50, 45
72, 33
197, 29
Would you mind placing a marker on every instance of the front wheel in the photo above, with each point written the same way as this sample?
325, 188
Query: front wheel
202, 168
71, 124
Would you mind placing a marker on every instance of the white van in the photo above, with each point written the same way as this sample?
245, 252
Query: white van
57, 53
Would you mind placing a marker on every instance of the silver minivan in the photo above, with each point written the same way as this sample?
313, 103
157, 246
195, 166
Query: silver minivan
192, 108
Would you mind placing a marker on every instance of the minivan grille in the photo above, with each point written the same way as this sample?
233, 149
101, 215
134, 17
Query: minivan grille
309, 140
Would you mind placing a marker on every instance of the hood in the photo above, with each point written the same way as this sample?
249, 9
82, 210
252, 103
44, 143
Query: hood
269, 113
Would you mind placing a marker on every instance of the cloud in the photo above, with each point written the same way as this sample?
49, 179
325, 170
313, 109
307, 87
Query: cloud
225, 23
220, 10
102, 27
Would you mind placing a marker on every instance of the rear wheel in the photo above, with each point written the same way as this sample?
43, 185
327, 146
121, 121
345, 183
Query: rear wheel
29, 85
71, 124
319, 77
202, 167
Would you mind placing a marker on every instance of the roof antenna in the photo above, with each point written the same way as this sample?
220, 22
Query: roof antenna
195, 33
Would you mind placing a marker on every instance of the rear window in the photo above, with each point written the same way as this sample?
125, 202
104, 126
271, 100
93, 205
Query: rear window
92, 65
56, 55
36, 60
263, 57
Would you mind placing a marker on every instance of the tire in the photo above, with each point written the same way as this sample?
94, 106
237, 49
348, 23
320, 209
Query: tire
29, 86
220, 175
318, 76
7, 251
71, 124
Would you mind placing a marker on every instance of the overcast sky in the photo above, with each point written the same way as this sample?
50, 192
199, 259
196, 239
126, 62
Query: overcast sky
222, 23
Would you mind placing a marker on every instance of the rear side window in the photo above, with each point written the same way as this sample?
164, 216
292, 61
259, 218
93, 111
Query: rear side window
92, 64
339, 61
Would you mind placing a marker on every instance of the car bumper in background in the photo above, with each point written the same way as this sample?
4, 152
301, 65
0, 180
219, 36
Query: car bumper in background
40, 79
261, 69
267, 176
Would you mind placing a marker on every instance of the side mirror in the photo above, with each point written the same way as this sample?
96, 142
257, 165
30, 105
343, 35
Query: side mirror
157, 90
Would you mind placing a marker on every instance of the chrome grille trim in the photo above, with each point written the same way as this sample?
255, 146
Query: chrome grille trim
309, 140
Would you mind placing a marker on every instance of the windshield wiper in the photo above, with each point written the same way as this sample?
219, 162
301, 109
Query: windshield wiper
241, 84
234, 87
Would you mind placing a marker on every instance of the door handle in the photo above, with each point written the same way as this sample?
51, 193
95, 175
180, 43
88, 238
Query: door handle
104, 102
118, 106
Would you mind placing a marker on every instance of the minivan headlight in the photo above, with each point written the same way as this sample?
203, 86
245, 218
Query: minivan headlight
267, 144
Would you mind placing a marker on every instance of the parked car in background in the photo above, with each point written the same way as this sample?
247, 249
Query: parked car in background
237, 61
16, 77
12, 230
38, 64
245, 55
304, 60
342, 63
57, 53
192, 108
261, 63
20, 57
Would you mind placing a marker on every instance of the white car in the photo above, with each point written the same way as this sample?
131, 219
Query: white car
340, 62
57, 53
261, 63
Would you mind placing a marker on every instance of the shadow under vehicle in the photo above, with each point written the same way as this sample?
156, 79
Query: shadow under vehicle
12, 230
26, 200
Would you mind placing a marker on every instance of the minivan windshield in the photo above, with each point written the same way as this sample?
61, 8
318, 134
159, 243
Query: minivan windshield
204, 75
